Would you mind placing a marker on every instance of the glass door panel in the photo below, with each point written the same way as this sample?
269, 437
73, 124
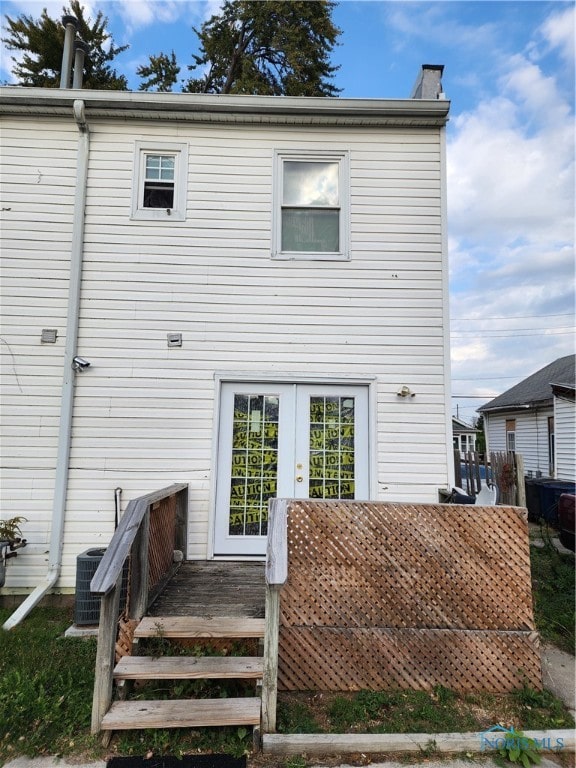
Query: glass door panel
285, 441
254, 469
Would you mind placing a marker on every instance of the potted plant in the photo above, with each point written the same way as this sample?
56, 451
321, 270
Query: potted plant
10, 540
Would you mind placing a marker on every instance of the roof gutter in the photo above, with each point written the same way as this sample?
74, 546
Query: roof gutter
185, 107
70, 372
524, 407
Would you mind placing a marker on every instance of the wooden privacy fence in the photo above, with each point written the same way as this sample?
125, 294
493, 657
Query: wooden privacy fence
506, 469
152, 527
368, 595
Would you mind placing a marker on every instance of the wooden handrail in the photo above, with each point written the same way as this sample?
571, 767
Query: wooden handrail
142, 538
112, 562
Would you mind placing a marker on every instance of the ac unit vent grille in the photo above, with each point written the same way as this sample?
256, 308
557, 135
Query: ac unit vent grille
87, 605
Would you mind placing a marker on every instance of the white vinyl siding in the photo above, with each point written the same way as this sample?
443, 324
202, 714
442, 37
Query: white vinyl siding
531, 437
565, 438
37, 203
144, 413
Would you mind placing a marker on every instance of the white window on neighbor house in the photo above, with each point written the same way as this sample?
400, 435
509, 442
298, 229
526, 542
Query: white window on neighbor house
311, 206
511, 435
159, 190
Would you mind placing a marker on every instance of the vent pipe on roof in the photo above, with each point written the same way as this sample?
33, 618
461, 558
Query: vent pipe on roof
71, 25
429, 83
80, 50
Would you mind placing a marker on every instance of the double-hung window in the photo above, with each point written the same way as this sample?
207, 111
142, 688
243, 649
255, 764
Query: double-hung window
159, 190
511, 435
311, 204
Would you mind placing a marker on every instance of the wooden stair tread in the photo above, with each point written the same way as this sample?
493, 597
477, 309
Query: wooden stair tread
199, 626
181, 713
188, 667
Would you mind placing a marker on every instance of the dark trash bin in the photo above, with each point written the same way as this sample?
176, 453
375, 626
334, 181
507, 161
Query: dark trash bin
550, 492
567, 519
531, 485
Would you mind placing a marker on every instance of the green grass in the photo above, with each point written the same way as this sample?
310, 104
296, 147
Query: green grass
46, 684
438, 711
45, 687
553, 588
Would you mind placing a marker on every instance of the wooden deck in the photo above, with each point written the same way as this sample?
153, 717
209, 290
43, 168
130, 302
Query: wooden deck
213, 588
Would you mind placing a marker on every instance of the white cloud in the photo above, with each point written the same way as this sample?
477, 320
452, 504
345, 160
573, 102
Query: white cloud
138, 14
511, 220
559, 30
511, 163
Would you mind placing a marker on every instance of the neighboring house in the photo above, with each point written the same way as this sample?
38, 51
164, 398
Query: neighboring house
463, 436
536, 418
564, 432
259, 285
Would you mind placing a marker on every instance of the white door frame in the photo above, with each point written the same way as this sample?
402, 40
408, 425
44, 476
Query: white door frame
264, 379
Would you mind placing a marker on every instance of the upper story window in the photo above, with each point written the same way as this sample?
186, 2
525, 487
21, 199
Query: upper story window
159, 181
311, 205
159, 190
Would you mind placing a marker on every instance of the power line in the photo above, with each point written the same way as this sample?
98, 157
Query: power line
485, 378
513, 317
562, 328
541, 332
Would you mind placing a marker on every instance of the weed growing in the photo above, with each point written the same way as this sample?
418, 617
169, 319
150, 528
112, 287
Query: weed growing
553, 587
45, 687
438, 711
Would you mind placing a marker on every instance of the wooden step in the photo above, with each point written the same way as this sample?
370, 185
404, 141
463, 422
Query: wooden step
203, 626
189, 667
188, 713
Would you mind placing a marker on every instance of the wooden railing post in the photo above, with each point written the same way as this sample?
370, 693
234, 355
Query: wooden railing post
181, 520
105, 654
520, 482
276, 576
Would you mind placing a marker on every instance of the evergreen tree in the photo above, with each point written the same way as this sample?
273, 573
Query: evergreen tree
42, 40
277, 47
162, 73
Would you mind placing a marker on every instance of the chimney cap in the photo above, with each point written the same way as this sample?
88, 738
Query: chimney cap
70, 20
80, 45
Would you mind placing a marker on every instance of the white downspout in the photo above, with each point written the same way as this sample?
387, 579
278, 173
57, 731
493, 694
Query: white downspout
67, 400
446, 312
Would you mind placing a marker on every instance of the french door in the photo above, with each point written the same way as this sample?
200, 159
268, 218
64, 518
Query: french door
285, 441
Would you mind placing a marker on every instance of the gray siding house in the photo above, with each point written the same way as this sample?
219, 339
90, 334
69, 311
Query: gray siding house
536, 418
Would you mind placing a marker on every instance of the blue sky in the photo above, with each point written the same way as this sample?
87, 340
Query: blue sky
509, 73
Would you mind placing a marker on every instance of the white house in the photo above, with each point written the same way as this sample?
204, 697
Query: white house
564, 431
536, 418
245, 294
463, 436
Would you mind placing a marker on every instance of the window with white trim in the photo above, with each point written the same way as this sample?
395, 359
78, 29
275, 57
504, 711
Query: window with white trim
311, 204
159, 190
511, 435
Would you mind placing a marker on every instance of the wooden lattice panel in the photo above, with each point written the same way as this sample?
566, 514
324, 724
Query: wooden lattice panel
399, 595
161, 540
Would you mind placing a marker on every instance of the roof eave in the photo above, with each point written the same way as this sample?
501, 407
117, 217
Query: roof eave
225, 108
531, 406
